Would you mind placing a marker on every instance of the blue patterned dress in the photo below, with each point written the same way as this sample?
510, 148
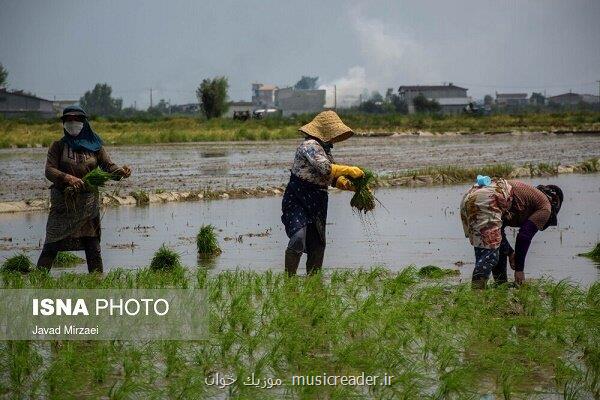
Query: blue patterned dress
305, 198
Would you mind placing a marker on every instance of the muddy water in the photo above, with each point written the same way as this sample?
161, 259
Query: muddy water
421, 226
194, 166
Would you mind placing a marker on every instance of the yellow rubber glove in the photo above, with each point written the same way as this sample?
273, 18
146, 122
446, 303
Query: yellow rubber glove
344, 183
345, 170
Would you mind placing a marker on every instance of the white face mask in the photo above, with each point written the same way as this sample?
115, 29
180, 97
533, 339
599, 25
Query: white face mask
73, 127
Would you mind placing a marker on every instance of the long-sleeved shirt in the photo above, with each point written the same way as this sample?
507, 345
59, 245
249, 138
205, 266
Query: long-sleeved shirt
528, 203
529, 211
63, 161
312, 163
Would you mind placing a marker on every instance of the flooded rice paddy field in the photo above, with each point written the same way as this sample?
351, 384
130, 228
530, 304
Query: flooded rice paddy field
195, 166
421, 226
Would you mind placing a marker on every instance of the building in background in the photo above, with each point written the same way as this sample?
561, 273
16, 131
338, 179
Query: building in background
452, 99
572, 99
511, 99
263, 95
237, 108
20, 104
293, 101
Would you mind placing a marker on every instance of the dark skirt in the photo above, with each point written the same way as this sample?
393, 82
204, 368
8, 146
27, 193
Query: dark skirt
71, 218
304, 203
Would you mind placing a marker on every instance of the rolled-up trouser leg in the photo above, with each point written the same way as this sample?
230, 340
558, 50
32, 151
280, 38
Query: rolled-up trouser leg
485, 261
315, 248
91, 245
49, 252
293, 253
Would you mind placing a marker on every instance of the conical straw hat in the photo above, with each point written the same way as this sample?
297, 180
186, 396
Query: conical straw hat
327, 126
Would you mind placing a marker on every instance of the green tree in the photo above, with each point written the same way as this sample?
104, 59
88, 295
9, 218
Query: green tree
400, 105
376, 97
3, 75
422, 104
488, 100
99, 101
307, 82
212, 96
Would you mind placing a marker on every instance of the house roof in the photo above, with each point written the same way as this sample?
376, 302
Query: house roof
511, 95
570, 94
22, 94
430, 87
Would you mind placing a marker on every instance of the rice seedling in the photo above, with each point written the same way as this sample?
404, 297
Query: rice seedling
165, 259
594, 254
141, 197
207, 242
18, 263
65, 259
363, 199
437, 340
98, 177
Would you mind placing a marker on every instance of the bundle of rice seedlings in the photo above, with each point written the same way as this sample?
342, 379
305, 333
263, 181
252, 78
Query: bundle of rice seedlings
207, 241
165, 259
594, 254
65, 259
141, 197
94, 179
18, 263
363, 199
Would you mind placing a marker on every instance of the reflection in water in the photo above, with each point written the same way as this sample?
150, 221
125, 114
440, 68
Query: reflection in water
422, 226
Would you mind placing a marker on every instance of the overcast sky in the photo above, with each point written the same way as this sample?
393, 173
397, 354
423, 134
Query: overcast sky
62, 48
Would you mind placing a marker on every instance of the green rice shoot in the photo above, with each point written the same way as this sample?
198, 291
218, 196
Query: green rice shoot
207, 243
18, 263
165, 259
65, 259
593, 254
363, 199
97, 178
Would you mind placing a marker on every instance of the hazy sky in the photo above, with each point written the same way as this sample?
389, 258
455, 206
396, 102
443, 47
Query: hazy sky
62, 48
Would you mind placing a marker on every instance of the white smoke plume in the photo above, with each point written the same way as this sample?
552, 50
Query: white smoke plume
390, 57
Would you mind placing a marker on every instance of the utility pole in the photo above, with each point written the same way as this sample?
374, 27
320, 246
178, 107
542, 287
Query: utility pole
598, 92
335, 97
150, 97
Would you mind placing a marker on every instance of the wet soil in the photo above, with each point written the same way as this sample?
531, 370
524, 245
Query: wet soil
223, 166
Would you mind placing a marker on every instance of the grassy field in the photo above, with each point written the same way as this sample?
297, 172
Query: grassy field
438, 338
190, 129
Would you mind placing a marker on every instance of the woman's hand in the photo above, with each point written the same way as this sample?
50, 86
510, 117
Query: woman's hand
125, 171
519, 277
344, 183
74, 181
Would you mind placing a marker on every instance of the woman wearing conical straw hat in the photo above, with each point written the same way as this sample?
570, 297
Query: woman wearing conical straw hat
304, 205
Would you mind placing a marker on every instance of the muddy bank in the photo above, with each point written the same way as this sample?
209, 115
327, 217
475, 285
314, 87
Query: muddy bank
423, 177
223, 166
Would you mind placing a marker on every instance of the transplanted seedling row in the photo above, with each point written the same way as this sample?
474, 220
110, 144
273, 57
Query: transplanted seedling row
437, 338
